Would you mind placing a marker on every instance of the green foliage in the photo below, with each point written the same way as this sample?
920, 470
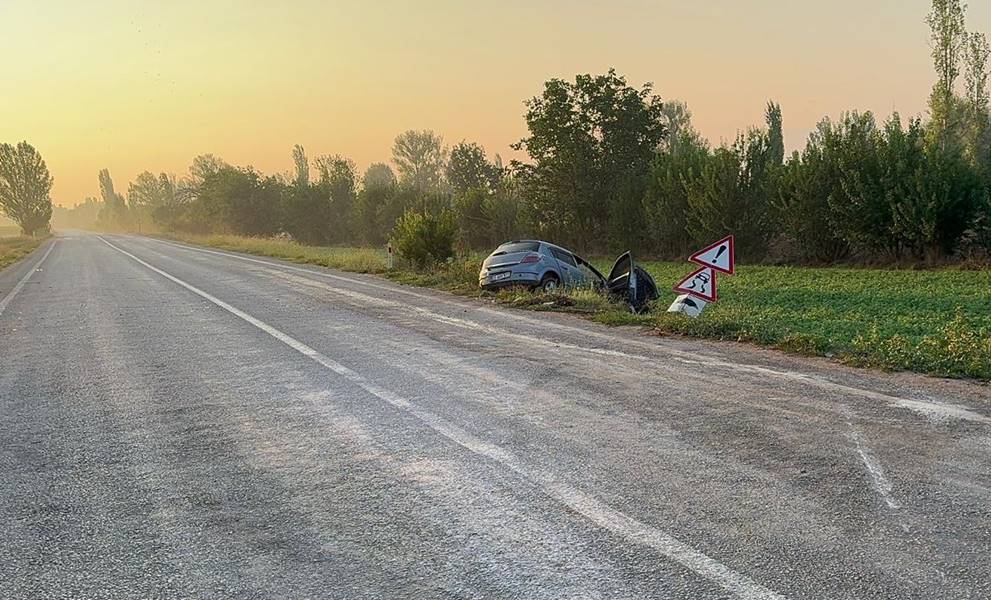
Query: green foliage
959, 348
487, 218
802, 205
666, 207
337, 185
469, 169
899, 195
732, 196
302, 165
591, 143
241, 201
25, 185
612, 168
420, 157
306, 213
423, 238
113, 215
948, 39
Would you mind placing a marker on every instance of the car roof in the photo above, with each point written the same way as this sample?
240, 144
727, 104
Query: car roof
544, 242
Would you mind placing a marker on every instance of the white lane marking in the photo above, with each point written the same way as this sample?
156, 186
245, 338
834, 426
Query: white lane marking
20, 284
592, 509
878, 479
929, 409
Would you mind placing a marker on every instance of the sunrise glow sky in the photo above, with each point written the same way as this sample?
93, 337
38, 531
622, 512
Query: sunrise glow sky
143, 85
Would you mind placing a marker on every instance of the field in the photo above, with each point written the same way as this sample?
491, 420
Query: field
13, 248
935, 321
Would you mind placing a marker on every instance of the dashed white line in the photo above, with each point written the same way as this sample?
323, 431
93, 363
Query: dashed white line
738, 584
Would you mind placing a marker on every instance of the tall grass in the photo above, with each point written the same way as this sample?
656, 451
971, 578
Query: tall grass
13, 249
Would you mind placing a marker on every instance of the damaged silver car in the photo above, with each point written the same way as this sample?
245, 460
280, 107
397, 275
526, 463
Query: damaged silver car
544, 266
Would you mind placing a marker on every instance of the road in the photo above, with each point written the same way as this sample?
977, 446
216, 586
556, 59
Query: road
189, 423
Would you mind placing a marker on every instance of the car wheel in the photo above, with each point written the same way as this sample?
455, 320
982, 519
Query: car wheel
549, 284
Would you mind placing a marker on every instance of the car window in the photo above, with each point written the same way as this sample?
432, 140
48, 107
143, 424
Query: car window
514, 247
564, 257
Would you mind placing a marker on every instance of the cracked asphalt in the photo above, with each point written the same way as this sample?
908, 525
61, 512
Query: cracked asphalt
187, 423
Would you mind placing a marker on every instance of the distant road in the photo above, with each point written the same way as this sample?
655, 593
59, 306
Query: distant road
187, 423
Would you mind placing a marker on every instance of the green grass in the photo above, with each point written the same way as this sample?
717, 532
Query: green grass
12, 249
935, 321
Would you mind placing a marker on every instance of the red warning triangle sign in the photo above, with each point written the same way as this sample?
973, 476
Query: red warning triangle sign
721, 256
701, 284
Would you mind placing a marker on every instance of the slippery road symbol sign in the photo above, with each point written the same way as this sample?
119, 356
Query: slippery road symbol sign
701, 284
720, 256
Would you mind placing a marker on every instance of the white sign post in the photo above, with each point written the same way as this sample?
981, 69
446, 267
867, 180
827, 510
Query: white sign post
698, 289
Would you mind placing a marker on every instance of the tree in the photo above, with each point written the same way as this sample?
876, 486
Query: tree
203, 166
372, 216
591, 143
144, 194
808, 184
241, 201
378, 174
25, 185
338, 184
302, 166
672, 173
114, 211
731, 196
420, 157
775, 134
948, 35
162, 198
469, 169
677, 120
976, 55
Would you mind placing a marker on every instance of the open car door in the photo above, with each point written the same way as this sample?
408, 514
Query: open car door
631, 283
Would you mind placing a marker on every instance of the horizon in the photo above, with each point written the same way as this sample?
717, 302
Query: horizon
135, 88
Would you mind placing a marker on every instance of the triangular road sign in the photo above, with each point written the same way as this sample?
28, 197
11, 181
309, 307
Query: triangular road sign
721, 256
701, 284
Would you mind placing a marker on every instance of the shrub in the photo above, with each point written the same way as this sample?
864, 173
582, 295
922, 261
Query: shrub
802, 202
423, 239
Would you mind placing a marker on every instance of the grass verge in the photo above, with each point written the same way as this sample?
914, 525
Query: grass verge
936, 322
12, 249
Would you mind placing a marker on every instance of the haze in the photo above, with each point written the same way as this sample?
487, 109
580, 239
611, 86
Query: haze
147, 86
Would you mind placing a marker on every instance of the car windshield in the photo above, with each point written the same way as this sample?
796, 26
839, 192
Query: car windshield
514, 247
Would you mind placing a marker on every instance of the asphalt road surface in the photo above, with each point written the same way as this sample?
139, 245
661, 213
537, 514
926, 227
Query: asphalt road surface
188, 423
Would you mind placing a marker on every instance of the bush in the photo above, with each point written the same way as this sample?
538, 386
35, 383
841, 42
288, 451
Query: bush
802, 203
423, 239
666, 199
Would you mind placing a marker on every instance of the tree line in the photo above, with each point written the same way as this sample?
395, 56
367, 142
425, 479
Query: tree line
610, 167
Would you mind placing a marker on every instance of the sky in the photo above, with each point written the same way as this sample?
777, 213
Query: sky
141, 85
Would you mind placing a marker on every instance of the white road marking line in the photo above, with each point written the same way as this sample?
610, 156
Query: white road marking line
881, 483
931, 410
20, 284
592, 509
